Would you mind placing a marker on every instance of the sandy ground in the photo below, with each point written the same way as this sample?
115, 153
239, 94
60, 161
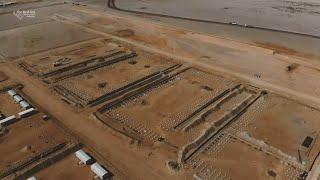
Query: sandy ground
38, 136
116, 151
8, 106
295, 16
43, 63
247, 35
123, 71
219, 54
250, 159
154, 110
34, 39
265, 67
281, 123
68, 168
288, 127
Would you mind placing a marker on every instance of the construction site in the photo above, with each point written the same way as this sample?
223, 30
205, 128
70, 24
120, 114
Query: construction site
130, 90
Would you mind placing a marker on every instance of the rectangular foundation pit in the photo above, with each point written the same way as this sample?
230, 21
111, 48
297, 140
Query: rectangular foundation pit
159, 109
104, 84
237, 159
283, 124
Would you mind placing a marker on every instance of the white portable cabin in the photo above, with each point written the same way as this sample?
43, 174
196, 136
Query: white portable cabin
24, 104
100, 171
17, 98
8, 120
27, 113
12, 92
32, 178
83, 157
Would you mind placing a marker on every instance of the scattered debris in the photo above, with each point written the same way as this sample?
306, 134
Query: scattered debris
26, 148
207, 88
45, 117
62, 62
173, 165
307, 142
102, 85
291, 67
257, 75
272, 173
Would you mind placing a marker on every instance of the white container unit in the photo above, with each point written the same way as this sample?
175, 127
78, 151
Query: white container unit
83, 157
27, 113
17, 98
8, 120
32, 178
24, 104
100, 171
12, 92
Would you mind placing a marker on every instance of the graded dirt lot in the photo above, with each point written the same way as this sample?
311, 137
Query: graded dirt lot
283, 124
8, 106
287, 15
152, 115
44, 63
260, 135
250, 159
38, 137
39, 37
67, 168
152, 101
262, 67
29, 141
